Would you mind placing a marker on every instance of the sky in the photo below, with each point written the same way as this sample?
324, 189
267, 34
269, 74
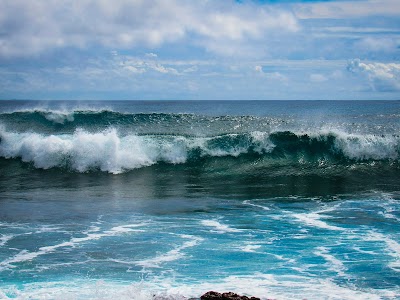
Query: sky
204, 49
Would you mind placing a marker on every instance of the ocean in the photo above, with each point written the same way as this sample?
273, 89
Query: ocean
170, 199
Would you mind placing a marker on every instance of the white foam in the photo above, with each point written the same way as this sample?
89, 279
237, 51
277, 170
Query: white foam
62, 110
172, 255
265, 286
83, 151
313, 220
87, 290
112, 152
358, 146
389, 215
250, 248
5, 238
358, 249
259, 141
59, 117
262, 142
25, 255
106, 150
247, 202
125, 229
49, 228
389, 206
334, 264
367, 146
392, 247
218, 227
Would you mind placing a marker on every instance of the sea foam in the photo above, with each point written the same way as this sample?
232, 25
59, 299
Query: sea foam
111, 152
115, 152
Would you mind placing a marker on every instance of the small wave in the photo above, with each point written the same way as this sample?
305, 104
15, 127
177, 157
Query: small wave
97, 118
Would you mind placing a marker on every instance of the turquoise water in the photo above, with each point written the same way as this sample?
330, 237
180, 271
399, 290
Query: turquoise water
136, 200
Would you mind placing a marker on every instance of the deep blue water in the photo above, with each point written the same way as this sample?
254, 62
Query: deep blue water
129, 199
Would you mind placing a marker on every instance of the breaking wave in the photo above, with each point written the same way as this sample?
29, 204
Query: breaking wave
115, 152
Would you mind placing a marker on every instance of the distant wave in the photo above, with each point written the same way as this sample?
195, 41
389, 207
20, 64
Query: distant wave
81, 117
54, 121
115, 152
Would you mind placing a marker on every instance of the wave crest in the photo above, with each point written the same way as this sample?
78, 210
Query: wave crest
110, 151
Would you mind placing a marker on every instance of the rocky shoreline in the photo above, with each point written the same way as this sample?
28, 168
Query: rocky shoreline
211, 295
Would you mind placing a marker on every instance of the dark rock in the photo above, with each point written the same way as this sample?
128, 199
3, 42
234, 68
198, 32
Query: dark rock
211, 296
225, 296
233, 296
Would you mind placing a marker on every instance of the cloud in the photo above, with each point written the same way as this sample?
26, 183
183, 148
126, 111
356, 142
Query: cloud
277, 76
318, 78
271, 76
34, 27
380, 44
258, 69
383, 77
347, 9
121, 76
151, 55
139, 66
162, 69
190, 69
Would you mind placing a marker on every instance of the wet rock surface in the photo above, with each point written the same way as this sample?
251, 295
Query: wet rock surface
225, 296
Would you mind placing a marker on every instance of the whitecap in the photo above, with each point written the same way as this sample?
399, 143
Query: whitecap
392, 247
335, 264
5, 238
25, 255
266, 286
313, 220
247, 202
218, 227
250, 248
172, 255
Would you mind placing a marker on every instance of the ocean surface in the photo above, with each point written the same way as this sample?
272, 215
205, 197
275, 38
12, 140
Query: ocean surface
171, 199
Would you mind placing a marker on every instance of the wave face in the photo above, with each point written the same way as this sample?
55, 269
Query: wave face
114, 142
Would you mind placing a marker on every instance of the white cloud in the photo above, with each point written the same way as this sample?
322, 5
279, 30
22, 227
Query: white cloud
134, 69
318, 78
347, 9
31, 27
160, 68
258, 69
139, 66
382, 76
378, 44
277, 76
271, 76
151, 55
190, 69
129, 77
337, 74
